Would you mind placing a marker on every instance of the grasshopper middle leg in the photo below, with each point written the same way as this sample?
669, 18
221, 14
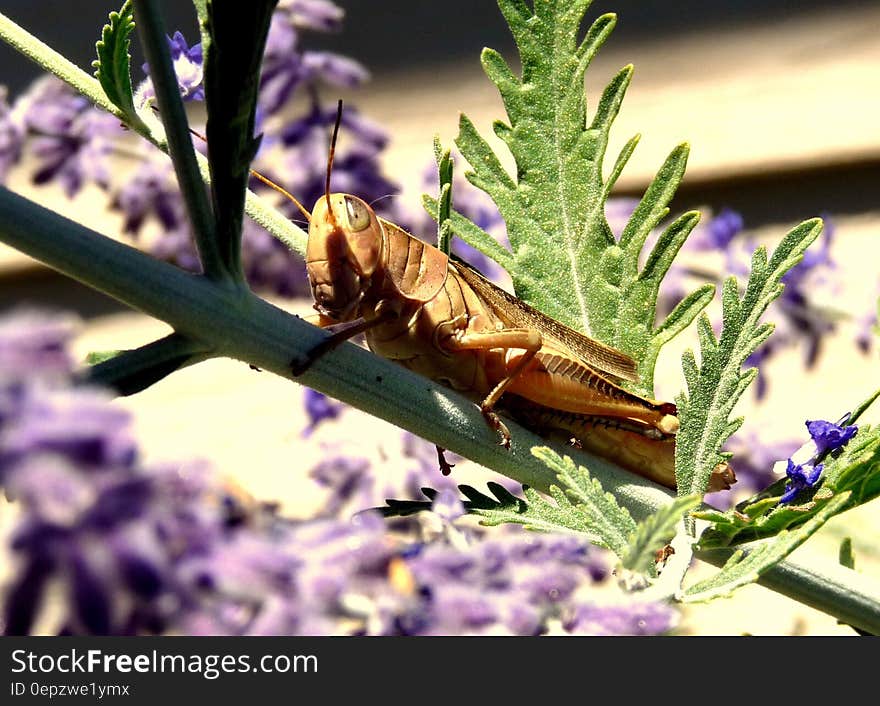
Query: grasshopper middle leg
526, 339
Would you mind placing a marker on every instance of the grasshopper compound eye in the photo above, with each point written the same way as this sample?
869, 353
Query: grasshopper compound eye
357, 213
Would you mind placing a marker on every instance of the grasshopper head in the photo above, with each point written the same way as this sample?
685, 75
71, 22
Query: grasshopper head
343, 252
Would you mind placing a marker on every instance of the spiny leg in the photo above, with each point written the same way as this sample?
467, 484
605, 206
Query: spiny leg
526, 339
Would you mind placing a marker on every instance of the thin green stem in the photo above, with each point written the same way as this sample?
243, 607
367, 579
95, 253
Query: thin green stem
56, 64
237, 324
151, 30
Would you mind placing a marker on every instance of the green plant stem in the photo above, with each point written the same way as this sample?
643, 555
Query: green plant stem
59, 66
850, 597
151, 30
53, 62
131, 371
237, 324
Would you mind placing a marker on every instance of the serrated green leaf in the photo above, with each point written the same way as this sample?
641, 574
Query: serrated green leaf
471, 233
854, 470
717, 383
583, 497
565, 260
655, 532
113, 65
745, 567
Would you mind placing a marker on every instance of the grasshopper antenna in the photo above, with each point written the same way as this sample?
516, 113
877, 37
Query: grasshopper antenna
268, 182
332, 151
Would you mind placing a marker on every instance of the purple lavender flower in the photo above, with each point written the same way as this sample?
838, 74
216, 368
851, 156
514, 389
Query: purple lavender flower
347, 478
718, 233
188, 67
830, 436
151, 192
11, 136
320, 15
320, 408
447, 505
71, 140
629, 619
800, 476
33, 345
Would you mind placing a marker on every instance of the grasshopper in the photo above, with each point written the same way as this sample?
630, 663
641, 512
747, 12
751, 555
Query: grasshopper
441, 318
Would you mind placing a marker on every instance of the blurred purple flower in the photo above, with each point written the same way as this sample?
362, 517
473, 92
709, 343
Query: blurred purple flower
71, 140
447, 505
78, 424
151, 191
12, 136
348, 479
320, 15
629, 619
320, 408
33, 346
718, 233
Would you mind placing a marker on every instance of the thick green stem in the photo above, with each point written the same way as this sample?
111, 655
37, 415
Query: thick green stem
192, 187
239, 325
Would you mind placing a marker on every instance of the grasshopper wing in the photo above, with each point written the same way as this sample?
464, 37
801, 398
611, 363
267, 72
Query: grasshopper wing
604, 359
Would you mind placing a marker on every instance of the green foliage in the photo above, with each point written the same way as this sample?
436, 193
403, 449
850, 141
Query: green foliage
654, 533
746, 565
853, 472
845, 554
113, 65
564, 259
716, 384
444, 205
232, 74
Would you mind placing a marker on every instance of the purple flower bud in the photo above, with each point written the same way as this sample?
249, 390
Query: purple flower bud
829, 436
187, 63
800, 476
77, 424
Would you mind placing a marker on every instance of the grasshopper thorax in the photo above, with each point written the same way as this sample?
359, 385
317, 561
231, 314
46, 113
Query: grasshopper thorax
343, 252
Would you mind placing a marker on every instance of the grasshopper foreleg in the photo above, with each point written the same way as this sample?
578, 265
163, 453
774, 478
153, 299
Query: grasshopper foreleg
526, 339
339, 333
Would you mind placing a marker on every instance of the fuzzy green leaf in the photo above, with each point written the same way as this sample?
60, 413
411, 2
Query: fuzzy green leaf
471, 233
715, 386
854, 470
655, 532
564, 259
746, 566
582, 499
113, 65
